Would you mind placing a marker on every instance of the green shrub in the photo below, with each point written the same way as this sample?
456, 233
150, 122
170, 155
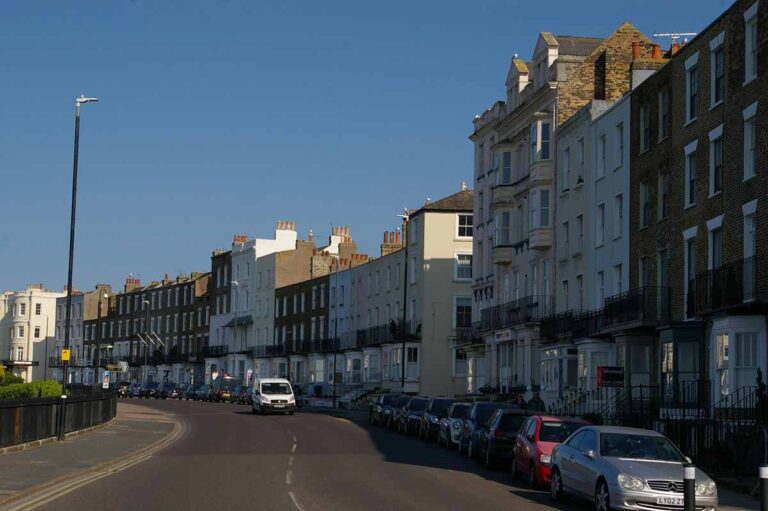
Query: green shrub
46, 388
8, 378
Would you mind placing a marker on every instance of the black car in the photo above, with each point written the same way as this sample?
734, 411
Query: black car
429, 426
382, 408
409, 419
475, 422
204, 393
391, 420
135, 390
123, 389
190, 392
497, 441
148, 389
166, 390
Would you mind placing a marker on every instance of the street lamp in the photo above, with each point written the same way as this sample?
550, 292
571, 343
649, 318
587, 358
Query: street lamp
98, 339
335, 322
78, 102
406, 218
234, 326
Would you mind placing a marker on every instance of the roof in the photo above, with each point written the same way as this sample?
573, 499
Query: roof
459, 201
626, 431
576, 45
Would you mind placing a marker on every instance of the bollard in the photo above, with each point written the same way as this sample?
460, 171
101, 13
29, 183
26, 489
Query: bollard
763, 487
62, 416
689, 487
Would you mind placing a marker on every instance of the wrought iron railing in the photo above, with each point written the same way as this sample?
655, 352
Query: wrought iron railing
524, 310
648, 304
731, 285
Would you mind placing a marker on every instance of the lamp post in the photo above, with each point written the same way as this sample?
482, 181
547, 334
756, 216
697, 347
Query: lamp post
335, 322
234, 325
78, 102
405, 218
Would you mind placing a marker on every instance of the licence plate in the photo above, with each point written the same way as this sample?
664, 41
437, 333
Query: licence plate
670, 501
279, 406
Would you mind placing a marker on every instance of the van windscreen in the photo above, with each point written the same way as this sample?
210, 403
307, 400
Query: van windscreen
275, 388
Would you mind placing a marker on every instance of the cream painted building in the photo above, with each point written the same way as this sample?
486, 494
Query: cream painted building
27, 328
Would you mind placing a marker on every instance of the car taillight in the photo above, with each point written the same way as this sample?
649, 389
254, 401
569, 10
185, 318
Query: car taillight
500, 434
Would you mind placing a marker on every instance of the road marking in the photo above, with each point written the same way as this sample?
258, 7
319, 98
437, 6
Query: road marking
290, 461
293, 449
294, 440
288, 477
295, 501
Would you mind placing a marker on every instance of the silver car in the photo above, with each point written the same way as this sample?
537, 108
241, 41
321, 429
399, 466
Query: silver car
625, 468
450, 425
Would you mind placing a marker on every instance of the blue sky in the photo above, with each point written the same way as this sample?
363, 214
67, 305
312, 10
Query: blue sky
221, 117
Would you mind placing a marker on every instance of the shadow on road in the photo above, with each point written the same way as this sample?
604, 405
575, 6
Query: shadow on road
398, 448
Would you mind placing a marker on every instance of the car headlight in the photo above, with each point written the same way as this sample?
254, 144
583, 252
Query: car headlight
265, 399
630, 483
413, 417
707, 488
388, 412
456, 425
545, 459
291, 399
434, 420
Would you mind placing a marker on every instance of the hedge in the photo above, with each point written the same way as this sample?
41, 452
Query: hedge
45, 388
7, 378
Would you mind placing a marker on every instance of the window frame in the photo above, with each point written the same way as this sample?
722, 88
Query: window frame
457, 266
691, 88
468, 227
749, 115
750, 45
716, 47
690, 173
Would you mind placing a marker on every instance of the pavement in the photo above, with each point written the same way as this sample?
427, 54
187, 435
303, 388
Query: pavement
228, 458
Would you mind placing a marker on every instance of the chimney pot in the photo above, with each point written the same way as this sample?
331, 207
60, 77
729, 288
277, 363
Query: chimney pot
675, 48
635, 50
656, 51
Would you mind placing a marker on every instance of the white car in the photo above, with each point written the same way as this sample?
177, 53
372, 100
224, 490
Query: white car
450, 426
272, 395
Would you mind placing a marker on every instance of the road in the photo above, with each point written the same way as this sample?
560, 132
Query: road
231, 459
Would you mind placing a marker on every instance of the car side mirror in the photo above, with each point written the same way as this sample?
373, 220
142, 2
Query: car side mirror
530, 438
590, 454
689, 460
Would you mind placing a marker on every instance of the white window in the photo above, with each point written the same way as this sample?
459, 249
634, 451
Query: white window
715, 239
564, 294
544, 209
503, 236
462, 316
463, 267
618, 218
601, 156
746, 359
566, 173
750, 43
580, 144
663, 114
534, 278
691, 87
617, 280
464, 226
600, 224
620, 144
645, 205
722, 363
21, 331
690, 174
540, 140
545, 277
566, 240
37, 332
516, 285
580, 292
19, 353
414, 270
505, 177
750, 134
600, 289
645, 129
22, 309
314, 297
717, 69
322, 295
579, 233
663, 195
716, 160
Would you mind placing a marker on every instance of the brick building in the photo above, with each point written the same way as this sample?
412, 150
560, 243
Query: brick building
699, 227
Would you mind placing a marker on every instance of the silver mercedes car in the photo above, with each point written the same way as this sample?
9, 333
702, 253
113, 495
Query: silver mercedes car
625, 468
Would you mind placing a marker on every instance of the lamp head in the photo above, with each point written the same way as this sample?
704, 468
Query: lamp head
83, 99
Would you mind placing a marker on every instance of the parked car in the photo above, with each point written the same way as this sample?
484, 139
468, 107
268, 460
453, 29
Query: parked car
181, 388
123, 388
625, 468
135, 390
272, 395
165, 389
497, 441
148, 389
409, 420
190, 391
223, 386
203, 393
437, 408
399, 404
245, 395
382, 408
452, 423
475, 421
534, 443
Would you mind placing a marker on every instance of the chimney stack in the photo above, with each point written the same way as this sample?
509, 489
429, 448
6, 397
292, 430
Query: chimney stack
656, 51
311, 236
674, 49
635, 50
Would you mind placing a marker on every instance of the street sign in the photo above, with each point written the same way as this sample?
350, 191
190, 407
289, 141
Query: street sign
123, 366
610, 376
105, 380
65, 355
248, 375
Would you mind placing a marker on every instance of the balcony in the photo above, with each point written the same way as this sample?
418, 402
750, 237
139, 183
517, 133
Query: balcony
270, 351
571, 325
464, 337
540, 238
525, 310
644, 306
739, 284
215, 351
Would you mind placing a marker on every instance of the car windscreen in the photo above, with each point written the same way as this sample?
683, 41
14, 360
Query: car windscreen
459, 411
275, 388
558, 431
511, 422
640, 447
418, 405
230, 383
484, 413
440, 406
402, 401
389, 400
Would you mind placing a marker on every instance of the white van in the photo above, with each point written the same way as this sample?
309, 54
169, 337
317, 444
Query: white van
272, 395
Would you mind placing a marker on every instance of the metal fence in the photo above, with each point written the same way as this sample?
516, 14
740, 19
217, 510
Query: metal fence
27, 420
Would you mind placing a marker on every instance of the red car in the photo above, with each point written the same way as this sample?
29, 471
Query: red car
538, 435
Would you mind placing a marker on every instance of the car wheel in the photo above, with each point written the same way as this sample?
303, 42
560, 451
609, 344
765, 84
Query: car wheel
602, 497
459, 446
556, 486
253, 410
515, 471
532, 481
290, 413
488, 458
471, 449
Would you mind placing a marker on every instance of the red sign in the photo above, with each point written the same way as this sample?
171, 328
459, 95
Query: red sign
610, 376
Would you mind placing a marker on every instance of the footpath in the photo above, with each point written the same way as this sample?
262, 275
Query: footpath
32, 476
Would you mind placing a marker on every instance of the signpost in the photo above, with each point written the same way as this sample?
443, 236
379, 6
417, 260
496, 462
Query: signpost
610, 376
65, 355
105, 380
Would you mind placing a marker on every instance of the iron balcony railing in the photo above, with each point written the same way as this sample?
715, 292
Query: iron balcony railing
731, 285
646, 304
525, 310
466, 336
215, 351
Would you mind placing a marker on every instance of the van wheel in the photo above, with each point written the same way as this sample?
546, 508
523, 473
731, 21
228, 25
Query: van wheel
253, 410
290, 413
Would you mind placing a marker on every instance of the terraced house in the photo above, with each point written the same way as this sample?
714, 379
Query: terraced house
515, 270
